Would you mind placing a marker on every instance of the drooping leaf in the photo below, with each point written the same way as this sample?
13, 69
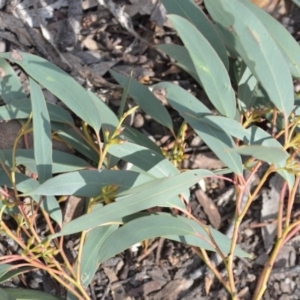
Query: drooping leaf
146, 100
261, 137
110, 122
60, 84
26, 184
21, 109
271, 155
160, 225
182, 58
75, 140
61, 162
89, 262
133, 135
252, 40
246, 87
147, 160
42, 141
89, 182
13, 273
286, 42
154, 193
192, 110
229, 126
4, 268
189, 10
210, 69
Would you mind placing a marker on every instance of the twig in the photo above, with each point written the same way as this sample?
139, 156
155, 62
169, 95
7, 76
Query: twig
146, 253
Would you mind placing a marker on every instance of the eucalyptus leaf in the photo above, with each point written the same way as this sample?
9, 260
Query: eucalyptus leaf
21, 109
61, 161
41, 133
157, 225
271, 155
182, 57
210, 69
146, 100
192, 110
89, 182
59, 84
286, 42
26, 184
189, 10
93, 244
26, 294
155, 193
258, 49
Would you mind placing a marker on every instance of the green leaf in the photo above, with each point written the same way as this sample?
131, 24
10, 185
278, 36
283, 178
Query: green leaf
261, 137
110, 122
154, 193
10, 85
89, 182
13, 273
257, 48
161, 225
41, 133
271, 155
137, 137
108, 118
61, 162
210, 69
5, 296
190, 11
246, 89
75, 140
25, 294
297, 2
286, 42
182, 58
26, 184
21, 109
146, 100
4, 268
93, 244
145, 159
60, 84
230, 126
192, 110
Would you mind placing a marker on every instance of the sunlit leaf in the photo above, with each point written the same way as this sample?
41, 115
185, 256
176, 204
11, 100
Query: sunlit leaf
157, 225
189, 10
256, 46
286, 42
89, 262
60, 84
155, 193
210, 69
89, 182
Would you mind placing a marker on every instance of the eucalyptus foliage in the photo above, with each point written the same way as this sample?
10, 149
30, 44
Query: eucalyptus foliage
242, 62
